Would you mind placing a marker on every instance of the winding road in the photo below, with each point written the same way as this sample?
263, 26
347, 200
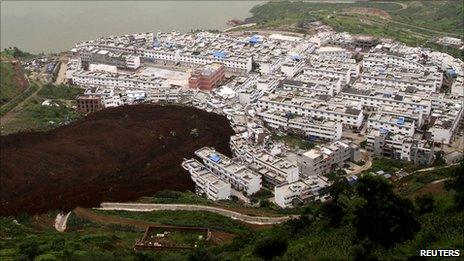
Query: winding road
144, 207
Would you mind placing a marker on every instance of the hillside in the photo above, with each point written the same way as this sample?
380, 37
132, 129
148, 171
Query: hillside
411, 22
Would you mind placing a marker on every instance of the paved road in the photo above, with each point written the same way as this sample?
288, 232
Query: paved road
61, 220
140, 207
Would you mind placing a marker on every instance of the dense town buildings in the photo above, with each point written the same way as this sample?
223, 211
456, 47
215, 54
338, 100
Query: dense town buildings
333, 90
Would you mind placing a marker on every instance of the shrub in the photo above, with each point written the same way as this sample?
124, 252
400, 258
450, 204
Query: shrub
270, 247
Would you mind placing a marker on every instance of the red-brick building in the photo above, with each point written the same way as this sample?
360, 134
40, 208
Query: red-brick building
208, 77
88, 103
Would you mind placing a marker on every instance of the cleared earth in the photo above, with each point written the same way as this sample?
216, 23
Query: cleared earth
118, 154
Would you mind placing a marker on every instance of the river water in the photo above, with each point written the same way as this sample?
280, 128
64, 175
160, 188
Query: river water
53, 26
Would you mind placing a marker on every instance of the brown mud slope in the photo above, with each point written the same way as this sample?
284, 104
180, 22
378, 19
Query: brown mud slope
118, 154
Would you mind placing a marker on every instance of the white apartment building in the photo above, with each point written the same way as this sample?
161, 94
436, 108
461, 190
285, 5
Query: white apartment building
458, 86
329, 86
307, 189
206, 183
381, 142
330, 52
326, 71
270, 66
274, 170
327, 110
427, 81
324, 159
129, 81
232, 64
133, 62
400, 125
445, 121
310, 127
231, 171
380, 59
292, 68
377, 98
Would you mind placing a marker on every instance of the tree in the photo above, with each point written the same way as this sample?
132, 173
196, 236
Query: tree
264, 203
200, 254
425, 203
383, 217
457, 184
270, 247
298, 224
29, 249
334, 212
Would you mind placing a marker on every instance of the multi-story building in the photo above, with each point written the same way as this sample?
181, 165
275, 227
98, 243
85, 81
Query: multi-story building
381, 142
330, 52
421, 80
207, 78
101, 56
231, 171
97, 78
381, 60
274, 170
292, 67
88, 103
378, 97
316, 85
328, 110
310, 188
206, 183
324, 159
311, 128
445, 121
401, 125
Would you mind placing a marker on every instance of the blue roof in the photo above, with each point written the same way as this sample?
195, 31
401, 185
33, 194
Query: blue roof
215, 158
400, 121
220, 54
255, 39
296, 57
383, 130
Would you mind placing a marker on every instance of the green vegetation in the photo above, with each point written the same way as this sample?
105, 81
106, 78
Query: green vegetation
35, 116
24, 241
294, 141
366, 221
391, 165
61, 92
183, 218
14, 52
412, 22
9, 89
175, 197
17, 99
413, 183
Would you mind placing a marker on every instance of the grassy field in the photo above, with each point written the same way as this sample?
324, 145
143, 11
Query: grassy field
8, 87
294, 141
17, 99
34, 116
183, 218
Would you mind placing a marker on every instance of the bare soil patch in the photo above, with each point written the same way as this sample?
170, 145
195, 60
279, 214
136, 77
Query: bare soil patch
118, 154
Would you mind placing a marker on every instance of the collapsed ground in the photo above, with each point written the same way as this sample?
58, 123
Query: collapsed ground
118, 154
